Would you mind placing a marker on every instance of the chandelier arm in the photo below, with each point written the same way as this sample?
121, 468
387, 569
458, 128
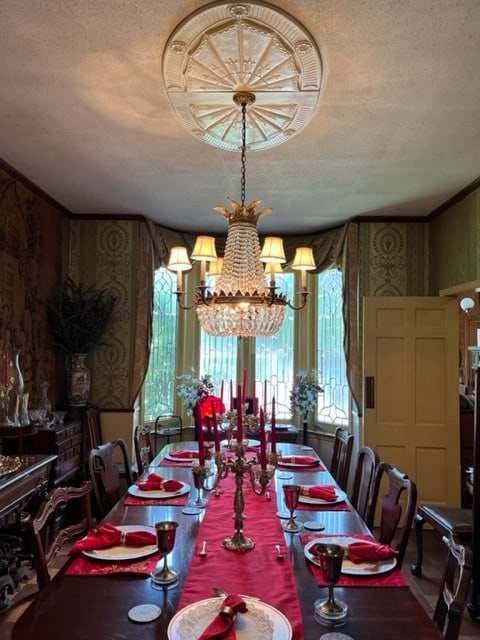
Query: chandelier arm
180, 296
201, 296
304, 295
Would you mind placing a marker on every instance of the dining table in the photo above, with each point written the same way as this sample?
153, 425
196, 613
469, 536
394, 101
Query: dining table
90, 598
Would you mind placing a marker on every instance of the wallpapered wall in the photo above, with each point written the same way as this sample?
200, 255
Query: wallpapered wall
394, 260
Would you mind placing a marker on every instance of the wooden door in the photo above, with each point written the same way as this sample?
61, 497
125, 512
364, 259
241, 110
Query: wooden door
411, 406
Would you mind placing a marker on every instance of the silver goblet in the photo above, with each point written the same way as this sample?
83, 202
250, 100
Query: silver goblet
162, 574
330, 612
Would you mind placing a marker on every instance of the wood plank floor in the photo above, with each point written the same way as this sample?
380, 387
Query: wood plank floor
424, 588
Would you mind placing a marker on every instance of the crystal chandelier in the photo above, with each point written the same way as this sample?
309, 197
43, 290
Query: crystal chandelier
244, 300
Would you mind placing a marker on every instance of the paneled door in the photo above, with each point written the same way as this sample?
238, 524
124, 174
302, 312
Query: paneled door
410, 400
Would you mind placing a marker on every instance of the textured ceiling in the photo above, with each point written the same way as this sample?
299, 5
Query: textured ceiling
85, 115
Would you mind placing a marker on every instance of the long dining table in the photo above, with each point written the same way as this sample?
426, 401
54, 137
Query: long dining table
95, 603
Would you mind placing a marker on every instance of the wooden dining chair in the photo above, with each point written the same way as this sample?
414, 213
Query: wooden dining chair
143, 448
454, 589
92, 428
341, 457
363, 480
397, 508
65, 514
105, 474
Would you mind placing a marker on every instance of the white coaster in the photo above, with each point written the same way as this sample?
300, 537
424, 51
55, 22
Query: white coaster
307, 448
144, 613
314, 526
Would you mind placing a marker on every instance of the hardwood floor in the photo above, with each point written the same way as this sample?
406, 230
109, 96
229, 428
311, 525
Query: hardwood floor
424, 588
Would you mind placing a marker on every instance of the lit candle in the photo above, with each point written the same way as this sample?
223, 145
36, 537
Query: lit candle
239, 416
216, 439
231, 395
273, 433
199, 425
263, 441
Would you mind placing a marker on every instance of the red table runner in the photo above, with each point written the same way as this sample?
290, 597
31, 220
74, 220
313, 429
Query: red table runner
394, 578
256, 572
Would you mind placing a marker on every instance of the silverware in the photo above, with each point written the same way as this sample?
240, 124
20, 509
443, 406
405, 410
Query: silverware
203, 551
280, 555
221, 593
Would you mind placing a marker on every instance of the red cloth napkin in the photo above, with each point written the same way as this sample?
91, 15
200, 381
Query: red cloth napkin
154, 482
321, 491
109, 536
298, 460
366, 551
222, 625
183, 454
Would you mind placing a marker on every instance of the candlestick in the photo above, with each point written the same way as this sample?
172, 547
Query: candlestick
216, 438
239, 416
263, 441
199, 425
273, 434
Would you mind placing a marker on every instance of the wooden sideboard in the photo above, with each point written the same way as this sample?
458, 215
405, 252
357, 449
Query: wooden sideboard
66, 442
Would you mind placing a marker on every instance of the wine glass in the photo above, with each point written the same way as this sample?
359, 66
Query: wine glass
200, 474
330, 612
162, 574
291, 493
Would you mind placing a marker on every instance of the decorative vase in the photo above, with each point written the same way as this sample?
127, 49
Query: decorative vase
14, 378
79, 381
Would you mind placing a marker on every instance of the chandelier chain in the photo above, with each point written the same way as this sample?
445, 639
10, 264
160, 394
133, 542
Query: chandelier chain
244, 156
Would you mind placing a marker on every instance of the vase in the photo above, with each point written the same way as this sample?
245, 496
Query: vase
79, 381
14, 382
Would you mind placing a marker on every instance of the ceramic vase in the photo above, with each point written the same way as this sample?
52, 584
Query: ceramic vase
78, 381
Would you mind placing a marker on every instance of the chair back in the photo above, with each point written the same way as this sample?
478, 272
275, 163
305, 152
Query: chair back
397, 508
92, 427
105, 474
341, 457
66, 513
363, 480
454, 589
143, 448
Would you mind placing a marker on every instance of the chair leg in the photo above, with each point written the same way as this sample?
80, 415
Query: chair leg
416, 567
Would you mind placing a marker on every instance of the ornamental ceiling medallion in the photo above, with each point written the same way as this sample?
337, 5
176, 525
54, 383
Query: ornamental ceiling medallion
248, 46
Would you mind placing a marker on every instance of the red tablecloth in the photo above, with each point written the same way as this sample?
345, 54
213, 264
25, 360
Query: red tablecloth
256, 572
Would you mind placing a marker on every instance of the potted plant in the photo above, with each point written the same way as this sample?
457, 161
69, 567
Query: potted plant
78, 317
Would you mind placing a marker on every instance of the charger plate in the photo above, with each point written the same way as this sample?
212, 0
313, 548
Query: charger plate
261, 621
134, 490
350, 568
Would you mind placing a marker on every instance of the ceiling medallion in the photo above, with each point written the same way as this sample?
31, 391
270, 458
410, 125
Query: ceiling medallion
228, 47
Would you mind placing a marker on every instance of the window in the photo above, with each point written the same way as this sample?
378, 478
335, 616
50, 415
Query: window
274, 357
218, 358
159, 387
333, 404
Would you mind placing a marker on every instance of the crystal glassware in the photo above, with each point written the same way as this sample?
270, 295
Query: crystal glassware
162, 574
291, 493
330, 612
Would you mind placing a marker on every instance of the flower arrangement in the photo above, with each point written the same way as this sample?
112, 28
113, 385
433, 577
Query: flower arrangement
192, 389
304, 393
206, 410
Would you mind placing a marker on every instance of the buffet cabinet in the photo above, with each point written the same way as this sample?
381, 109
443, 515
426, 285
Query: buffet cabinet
66, 442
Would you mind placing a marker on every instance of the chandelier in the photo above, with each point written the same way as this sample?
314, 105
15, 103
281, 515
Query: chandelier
244, 299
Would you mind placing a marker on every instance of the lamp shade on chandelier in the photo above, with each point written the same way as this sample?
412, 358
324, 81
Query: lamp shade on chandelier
244, 299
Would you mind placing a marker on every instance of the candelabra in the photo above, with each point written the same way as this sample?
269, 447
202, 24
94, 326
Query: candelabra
259, 478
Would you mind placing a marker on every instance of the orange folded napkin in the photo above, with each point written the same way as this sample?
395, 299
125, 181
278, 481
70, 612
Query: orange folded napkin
109, 536
321, 491
370, 551
183, 454
298, 460
154, 482
222, 625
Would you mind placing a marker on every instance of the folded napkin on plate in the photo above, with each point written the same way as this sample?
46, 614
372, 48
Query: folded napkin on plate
370, 551
109, 536
154, 482
183, 454
298, 460
222, 625
321, 491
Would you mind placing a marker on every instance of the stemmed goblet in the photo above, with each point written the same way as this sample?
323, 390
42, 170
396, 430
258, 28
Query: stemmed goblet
162, 574
200, 474
330, 612
291, 494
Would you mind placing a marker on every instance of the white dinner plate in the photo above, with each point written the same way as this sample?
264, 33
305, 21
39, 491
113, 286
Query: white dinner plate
350, 568
341, 495
261, 621
135, 490
122, 552
169, 456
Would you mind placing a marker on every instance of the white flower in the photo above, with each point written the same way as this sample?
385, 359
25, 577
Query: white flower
304, 393
193, 389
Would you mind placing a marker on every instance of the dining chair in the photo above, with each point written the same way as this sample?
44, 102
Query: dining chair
454, 589
341, 457
143, 448
65, 514
92, 427
105, 474
397, 508
363, 479
168, 426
